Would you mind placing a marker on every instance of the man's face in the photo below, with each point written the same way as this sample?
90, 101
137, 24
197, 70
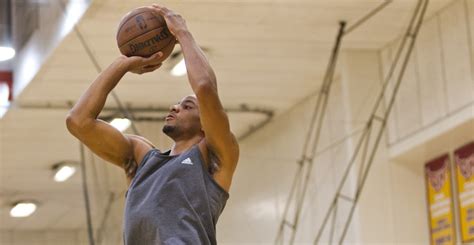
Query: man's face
183, 120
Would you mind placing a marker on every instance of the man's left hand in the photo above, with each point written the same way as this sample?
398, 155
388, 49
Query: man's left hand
175, 22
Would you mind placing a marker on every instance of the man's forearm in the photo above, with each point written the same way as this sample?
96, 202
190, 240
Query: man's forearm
93, 100
198, 68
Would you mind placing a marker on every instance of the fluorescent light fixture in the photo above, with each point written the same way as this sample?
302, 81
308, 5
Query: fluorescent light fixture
121, 124
64, 172
23, 209
6, 53
179, 69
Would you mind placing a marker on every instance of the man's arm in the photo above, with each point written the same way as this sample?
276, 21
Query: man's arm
202, 79
99, 136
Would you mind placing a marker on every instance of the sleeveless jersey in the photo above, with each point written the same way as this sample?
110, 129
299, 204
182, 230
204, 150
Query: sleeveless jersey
172, 200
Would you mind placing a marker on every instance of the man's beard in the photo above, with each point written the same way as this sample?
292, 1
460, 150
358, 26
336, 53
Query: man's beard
170, 130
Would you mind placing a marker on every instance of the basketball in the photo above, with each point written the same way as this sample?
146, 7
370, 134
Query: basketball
143, 33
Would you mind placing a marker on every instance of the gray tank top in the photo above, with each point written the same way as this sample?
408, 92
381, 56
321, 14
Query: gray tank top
172, 200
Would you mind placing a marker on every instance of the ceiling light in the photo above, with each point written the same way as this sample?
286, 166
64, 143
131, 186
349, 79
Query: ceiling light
63, 172
6, 53
179, 69
121, 124
23, 209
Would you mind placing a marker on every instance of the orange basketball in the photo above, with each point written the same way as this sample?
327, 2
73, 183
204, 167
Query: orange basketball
143, 33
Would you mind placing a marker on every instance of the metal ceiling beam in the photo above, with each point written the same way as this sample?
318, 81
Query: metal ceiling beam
113, 112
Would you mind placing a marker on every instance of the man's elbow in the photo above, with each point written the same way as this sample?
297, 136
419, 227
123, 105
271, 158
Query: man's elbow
206, 86
74, 124
71, 123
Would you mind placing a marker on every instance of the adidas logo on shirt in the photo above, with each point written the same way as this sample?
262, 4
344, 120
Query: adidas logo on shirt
187, 161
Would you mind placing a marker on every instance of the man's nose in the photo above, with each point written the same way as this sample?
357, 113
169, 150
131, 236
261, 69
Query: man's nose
174, 108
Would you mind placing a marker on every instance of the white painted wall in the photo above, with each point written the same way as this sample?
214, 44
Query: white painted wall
267, 167
431, 112
391, 208
439, 80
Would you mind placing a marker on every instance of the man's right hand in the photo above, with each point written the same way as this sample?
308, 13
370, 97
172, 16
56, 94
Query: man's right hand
99, 136
141, 65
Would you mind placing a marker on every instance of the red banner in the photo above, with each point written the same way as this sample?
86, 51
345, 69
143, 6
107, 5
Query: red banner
7, 77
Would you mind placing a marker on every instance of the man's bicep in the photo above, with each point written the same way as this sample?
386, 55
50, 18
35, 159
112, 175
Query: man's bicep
107, 142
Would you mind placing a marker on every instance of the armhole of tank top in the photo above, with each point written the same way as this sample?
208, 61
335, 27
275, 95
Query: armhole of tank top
145, 158
140, 166
219, 188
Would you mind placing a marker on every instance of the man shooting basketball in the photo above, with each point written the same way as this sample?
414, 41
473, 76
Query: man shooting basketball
174, 197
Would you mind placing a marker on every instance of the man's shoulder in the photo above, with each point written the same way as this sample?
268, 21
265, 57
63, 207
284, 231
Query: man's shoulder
140, 140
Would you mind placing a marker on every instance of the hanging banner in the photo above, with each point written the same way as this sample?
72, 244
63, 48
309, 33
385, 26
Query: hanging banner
439, 196
464, 159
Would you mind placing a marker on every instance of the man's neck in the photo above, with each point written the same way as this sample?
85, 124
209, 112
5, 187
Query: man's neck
181, 146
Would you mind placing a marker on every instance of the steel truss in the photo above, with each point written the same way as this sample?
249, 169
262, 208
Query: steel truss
366, 148
298, 189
